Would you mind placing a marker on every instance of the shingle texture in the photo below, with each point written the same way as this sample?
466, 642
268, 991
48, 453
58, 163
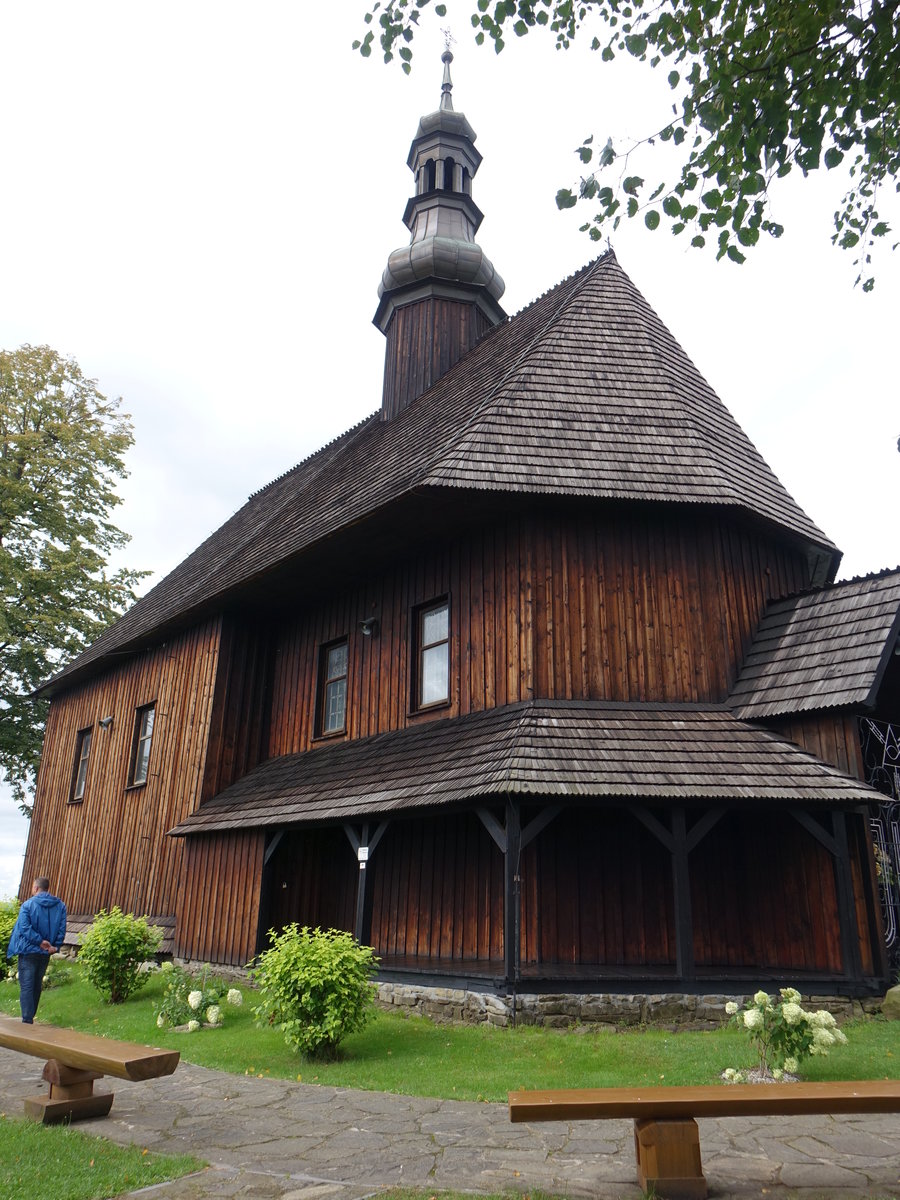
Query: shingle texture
584, 393
588, 750
826, 649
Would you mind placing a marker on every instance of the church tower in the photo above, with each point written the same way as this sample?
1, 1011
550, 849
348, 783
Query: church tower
439, 294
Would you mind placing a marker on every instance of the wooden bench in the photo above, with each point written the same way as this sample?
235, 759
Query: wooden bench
666, 1137
74, 1061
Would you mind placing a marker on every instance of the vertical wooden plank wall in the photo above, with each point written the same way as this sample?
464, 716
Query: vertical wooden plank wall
218, 906
636, 606
111, 847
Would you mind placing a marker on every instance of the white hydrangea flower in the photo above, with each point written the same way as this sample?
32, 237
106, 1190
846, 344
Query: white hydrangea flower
791, 995
753, 1019
762, 998
167, 966
823, 1038
214, 1015
160, 1021
792, 1013
731, 1008
777, 1073
195, 999
193, 1026
791, 1065
822, 1019
839, 1036
234, 997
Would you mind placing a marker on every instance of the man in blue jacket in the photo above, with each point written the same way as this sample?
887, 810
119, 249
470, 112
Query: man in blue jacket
38, 932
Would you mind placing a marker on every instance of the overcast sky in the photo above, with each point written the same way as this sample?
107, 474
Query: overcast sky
199, 198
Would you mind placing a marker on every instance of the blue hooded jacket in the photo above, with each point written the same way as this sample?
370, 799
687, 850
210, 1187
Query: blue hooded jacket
41, 917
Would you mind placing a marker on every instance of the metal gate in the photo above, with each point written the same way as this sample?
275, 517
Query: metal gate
881, 756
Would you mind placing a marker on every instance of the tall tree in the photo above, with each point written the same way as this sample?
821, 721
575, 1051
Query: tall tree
62, 447
761, 88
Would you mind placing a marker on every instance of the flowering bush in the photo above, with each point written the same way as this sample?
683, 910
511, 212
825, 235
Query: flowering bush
782, 1032
113, 951
185, 997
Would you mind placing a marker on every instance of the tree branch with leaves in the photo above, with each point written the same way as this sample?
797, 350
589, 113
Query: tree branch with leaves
62, 447
761, 89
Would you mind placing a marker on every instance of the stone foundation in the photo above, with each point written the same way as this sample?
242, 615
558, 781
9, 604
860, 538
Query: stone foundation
595, 1012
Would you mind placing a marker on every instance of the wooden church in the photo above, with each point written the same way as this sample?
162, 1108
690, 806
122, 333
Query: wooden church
537, 678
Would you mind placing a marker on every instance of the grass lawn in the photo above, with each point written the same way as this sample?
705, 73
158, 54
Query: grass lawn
54, 1160
411, 1055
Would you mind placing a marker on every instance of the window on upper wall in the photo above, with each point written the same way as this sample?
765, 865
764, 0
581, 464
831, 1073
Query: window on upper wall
140, 747
79, 770
332, 715
432, 630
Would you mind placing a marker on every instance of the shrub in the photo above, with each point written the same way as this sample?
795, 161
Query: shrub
112, 951
187, 998
783, 1033
9, 910
316, 986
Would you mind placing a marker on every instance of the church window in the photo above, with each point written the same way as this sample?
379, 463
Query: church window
140, 748
433, 654
79, 771
333, 688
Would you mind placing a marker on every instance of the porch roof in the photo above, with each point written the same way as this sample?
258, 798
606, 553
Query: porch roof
581, 750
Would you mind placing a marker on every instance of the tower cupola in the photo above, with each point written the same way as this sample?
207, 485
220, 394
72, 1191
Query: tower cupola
440, 293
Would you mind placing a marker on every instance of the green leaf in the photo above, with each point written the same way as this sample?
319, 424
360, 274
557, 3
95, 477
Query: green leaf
651, 219
631, 184
833, 156
565, 198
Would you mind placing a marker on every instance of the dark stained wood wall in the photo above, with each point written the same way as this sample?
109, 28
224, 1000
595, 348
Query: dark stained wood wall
424, 340
624, 606
597, 889
311, 879
438, 891
218, 904
111, 848
833, 737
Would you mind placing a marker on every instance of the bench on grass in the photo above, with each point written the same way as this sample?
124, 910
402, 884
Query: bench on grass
74, 1061
666, 1137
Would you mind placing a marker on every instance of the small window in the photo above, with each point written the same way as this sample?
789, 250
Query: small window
79, 771
140, 750
333, 689
433, 653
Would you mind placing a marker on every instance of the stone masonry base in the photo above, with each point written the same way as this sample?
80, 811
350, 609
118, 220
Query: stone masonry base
599, 1011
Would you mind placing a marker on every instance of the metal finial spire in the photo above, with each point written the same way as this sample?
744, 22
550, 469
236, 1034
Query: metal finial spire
447, 85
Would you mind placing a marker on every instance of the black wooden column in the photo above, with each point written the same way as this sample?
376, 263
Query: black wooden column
364, 845
512, 907
680, 842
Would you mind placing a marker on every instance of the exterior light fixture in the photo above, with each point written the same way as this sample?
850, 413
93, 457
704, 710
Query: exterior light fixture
105, 722
369, 627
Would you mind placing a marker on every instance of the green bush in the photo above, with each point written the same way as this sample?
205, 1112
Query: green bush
112, 951
9, 910
315, 986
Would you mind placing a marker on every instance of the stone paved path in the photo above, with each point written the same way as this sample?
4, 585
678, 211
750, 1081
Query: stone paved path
268, 1138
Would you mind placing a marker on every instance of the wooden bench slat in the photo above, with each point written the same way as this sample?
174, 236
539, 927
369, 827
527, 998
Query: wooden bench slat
124, 1060
725, 1100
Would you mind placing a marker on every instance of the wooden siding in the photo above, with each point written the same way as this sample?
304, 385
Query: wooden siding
424, 340
597, 889
111, 848
627, 606
833, 737
438, 891
218, 905
763, 896
311, 879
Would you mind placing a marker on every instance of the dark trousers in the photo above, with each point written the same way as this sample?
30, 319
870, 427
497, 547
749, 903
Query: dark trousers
31, 977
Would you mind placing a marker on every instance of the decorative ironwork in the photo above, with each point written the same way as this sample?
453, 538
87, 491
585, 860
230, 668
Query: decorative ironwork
881, 757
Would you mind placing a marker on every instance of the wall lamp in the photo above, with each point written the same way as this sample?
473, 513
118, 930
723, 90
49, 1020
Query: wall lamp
369, 627
105, 722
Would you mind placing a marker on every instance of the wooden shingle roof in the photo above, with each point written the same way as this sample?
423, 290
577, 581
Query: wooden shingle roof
582, 750
583, 393
825, 649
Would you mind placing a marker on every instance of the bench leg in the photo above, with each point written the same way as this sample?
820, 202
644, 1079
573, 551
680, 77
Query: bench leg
71, 1098
668, 1158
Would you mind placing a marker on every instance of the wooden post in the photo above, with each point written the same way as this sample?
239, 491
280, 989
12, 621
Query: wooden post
681, 880
668, 1158
846, 900
72, 1096
511, 949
